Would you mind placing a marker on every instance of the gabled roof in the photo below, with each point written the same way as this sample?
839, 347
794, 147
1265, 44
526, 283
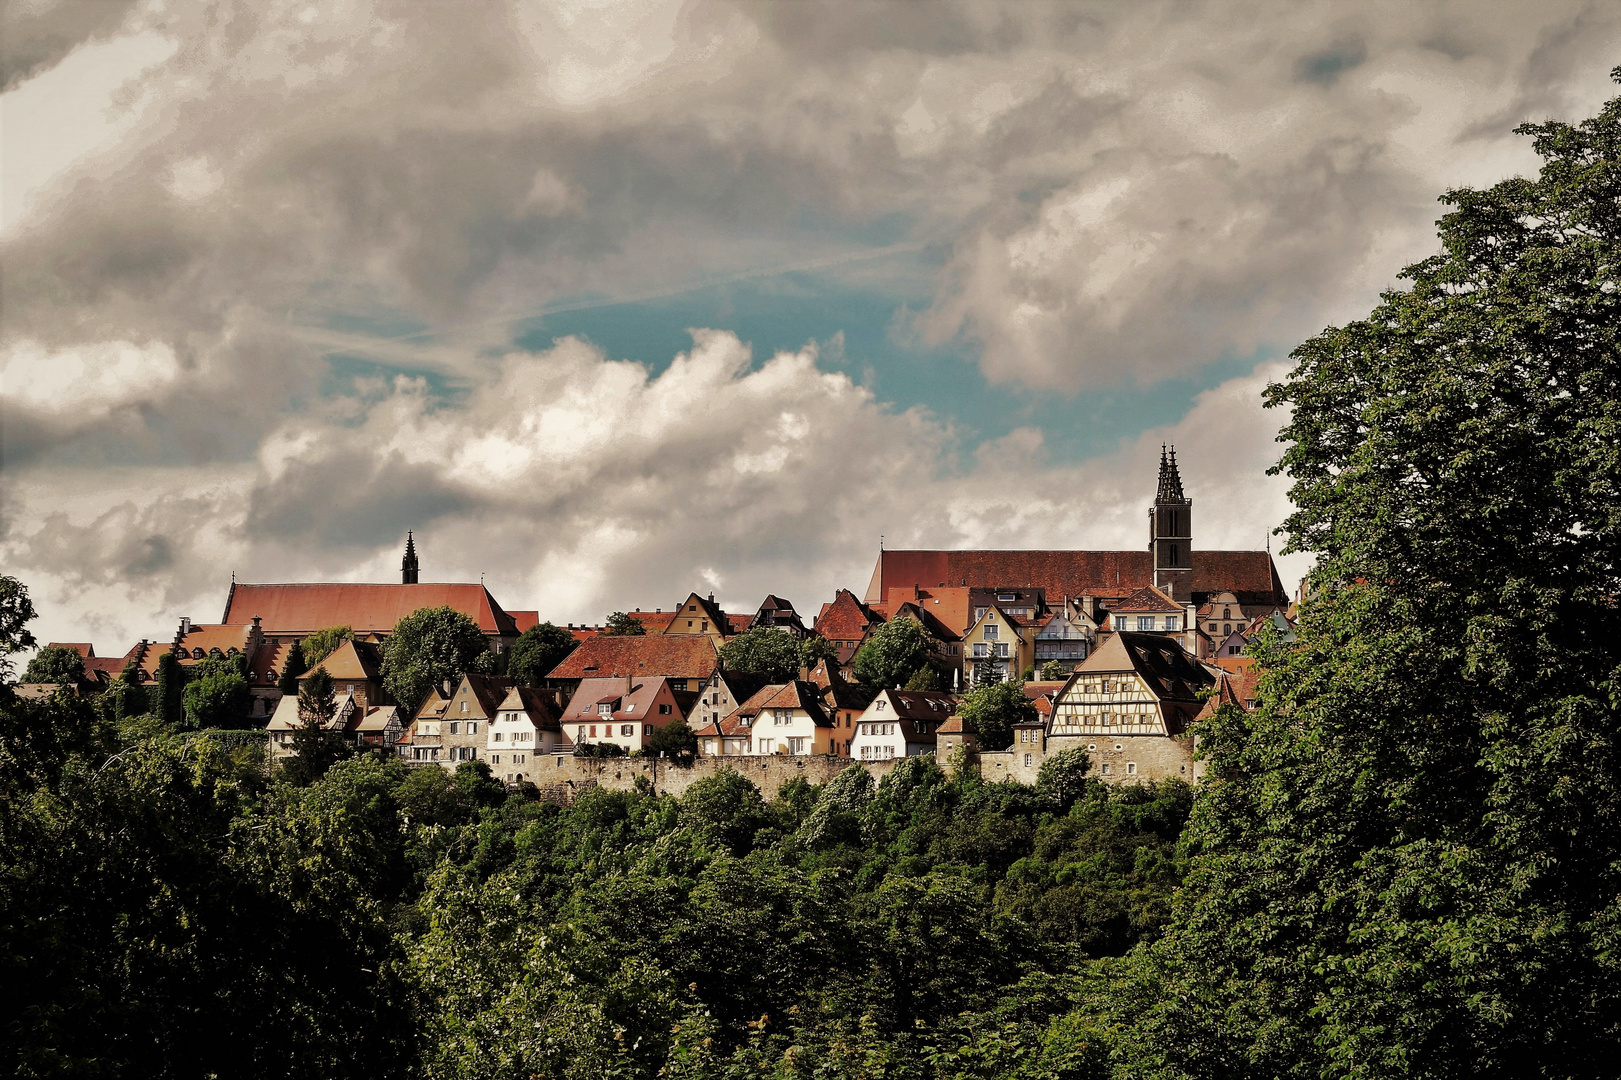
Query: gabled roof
736, 624
1169, 672
523, 620
741, 685
846, 618
85, 650
1146, 599
799, 694
837, 691
1075, 573
733, 723
365, 608
634, 703
654, 622
932, 626
534, 704
211, 637
351, 660
919, 704
706, 609
678, 656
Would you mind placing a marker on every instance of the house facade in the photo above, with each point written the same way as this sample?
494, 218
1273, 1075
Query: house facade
1130, 705
526, 727
624, 712
901, 723
791, 720
997, 647
452, 728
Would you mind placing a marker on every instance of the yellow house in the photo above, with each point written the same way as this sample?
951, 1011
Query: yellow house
1001, 644
695, 615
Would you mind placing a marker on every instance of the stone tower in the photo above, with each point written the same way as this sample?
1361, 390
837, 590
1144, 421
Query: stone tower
1170, 531
408, 565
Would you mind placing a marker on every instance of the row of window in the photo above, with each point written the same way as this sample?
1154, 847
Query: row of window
877, 753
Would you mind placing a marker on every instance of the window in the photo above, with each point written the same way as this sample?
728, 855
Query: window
664, 710
991, 630
1145, 622
464, 706
472, 727
605, 709
1131, 768
1105, 768
627, 729
593, 731
1173, 622
495, 759
980, 649
1006, 597
496, 737
797, 746
880, 705
1027, 761
453, 726
1001, 648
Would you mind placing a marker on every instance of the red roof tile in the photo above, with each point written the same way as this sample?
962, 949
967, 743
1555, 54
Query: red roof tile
846, 618
523, 620
678, 656
365, 608
1075, 573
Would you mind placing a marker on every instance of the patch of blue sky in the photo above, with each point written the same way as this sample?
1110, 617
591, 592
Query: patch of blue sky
866, 301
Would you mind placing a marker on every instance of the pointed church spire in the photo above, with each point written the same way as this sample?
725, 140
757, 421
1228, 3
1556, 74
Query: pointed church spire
1170, 479
408, 565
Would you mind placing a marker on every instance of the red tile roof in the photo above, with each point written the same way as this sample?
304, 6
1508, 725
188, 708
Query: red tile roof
678, 656
846, 618
736, 624
1074, 573
83, 648
654, 622
365, 608
523, 620
1147, 598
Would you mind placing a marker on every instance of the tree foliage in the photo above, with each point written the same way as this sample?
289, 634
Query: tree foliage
323, 643
16, 612
1410, 856
168, 690
431, 648
621, 625
892, 654
217, 700
774, 655
537, 651
293, 668
675, 739
990, 711
55, 664
816, 648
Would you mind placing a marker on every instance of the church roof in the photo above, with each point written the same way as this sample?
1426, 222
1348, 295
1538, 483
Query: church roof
363, 607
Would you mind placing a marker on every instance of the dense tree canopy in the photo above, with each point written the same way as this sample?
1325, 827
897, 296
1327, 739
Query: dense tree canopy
991, 710
429, 648
323, 643
1412, 861
55, 664
621, 624
774, 655
537, 651
892, 654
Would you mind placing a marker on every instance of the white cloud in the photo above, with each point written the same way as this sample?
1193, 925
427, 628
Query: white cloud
577, 484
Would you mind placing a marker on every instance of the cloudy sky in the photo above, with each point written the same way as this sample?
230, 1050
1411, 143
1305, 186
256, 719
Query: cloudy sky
611, 300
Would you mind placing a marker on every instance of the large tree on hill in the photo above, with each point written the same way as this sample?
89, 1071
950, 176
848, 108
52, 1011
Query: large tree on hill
1410, 855
431, 647
991, 710
16, 611
891, 655
293, 668
537, 650
55, 664
323, 643
774, 655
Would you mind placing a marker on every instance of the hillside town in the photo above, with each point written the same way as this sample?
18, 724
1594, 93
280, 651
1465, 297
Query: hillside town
1117, 653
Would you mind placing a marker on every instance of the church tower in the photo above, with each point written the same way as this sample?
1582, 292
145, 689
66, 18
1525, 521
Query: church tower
408, 565
1170, 532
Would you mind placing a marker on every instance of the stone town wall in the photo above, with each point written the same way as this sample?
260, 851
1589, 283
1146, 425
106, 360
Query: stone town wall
563, 777
1156, 757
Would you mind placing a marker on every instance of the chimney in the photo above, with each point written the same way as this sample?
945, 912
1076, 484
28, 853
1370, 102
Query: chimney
185, 625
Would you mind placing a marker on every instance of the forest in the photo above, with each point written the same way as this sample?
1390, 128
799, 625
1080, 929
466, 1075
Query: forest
1406, 861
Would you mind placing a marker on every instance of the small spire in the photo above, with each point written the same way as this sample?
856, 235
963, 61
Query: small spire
408, 565
1170, 478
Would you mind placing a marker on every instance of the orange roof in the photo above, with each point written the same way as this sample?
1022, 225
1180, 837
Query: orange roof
211, 637
365, 608
83, 648
678, 656
846, 618
654, 622
523, 620
1248, 574
736, 624
353, 661
1147, 598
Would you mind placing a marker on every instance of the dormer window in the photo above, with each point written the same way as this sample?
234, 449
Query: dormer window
605, 709
1005, 597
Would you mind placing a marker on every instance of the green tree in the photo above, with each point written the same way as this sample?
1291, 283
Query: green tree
1052, 671
126, 695
168, 690
992, 710
293, 669
316, 748
323, 643
892, 653
622, 625
675, 739
218, 700
55, 664
537, 651
924, 678
816, 648
431, 647
765, 651
16, 612
1410, 859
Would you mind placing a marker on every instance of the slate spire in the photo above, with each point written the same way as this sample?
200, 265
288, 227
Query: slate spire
408, 565
1170, 479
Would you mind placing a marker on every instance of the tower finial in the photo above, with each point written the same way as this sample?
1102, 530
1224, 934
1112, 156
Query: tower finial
408, 565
